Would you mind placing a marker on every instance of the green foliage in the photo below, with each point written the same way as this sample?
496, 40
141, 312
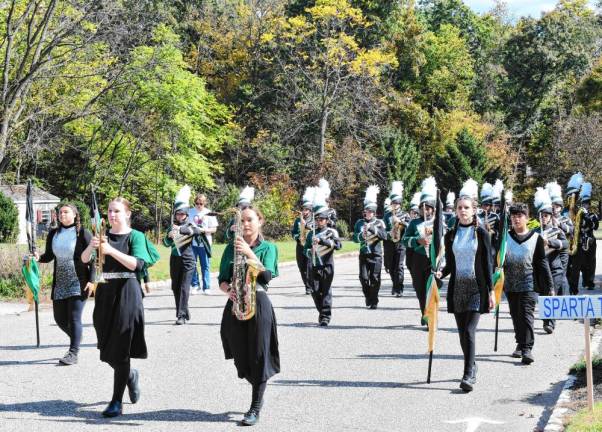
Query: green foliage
401, 160
276, 198
9, 220
463, 159
589, 92
343, 229
446, 77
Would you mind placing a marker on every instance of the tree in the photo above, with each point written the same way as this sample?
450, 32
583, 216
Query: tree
47, 78
465, 158
9, 220
400, 160
589, 92
324, 75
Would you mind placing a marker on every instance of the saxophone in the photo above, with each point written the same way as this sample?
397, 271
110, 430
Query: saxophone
576, 219
244, 278
398, 226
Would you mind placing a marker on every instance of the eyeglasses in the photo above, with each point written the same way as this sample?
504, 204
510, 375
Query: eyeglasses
321, 218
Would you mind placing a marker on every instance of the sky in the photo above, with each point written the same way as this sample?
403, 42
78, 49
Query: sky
518, 8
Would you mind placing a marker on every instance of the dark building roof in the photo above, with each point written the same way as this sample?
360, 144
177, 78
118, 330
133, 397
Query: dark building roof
18, 193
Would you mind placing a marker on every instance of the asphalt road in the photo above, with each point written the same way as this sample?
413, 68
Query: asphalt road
365, 372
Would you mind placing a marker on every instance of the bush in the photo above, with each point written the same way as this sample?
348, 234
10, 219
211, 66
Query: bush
276, 198
9, 220
343, 229
12, 283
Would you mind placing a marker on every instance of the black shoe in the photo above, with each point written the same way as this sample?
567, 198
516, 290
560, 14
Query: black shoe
69, 359
180, 321
548, 329
324, 322
473, 376
527, 357
307, 291
134, 386
517, 353
373, 306
113, 410
251, 417
466, 385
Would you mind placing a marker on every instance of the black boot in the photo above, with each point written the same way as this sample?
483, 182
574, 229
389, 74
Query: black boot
134, 386
114, 409
251, 417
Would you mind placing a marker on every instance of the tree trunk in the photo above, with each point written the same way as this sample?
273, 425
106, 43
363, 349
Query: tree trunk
323, 125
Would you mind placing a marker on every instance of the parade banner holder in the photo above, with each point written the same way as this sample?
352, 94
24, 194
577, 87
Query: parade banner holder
30, 270
575, 307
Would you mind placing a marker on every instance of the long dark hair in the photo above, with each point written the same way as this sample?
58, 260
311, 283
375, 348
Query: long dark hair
78, 222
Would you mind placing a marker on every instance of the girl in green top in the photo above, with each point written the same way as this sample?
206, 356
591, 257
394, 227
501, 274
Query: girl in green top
253, 343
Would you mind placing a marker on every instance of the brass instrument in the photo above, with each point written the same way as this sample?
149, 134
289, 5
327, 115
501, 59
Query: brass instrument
426, 231
369, 238
99, 231
320, 250
575, 217
180, 240
244, 277
398, 226
304, 229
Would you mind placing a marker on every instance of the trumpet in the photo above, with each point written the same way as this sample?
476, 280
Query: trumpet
398, 225
100, 231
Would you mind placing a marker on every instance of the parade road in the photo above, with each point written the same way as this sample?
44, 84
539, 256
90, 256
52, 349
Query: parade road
365, 372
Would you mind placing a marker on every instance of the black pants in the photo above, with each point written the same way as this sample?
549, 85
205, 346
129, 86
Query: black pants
560, 283
68, 316
181, 276
370, 266
522, 308
302, 263
388, 252
467, 327
397, 267
420, 269
121, 375
321, 280
583, 264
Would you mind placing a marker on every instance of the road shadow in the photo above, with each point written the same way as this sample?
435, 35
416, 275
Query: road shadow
491, 358
80, 413
33, 347
417, 385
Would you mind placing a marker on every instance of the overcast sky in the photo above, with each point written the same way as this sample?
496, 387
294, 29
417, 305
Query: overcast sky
518, 7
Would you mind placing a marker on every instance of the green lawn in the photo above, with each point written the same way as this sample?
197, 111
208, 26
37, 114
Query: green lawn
286, 252
584, 421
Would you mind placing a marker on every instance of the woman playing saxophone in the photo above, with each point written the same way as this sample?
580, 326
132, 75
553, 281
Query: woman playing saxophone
252, 343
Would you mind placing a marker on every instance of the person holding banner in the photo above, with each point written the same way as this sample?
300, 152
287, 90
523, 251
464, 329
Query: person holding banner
470, 289
71, 276
118, 310
527, 273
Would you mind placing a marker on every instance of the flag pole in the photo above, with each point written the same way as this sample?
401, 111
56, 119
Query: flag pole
497, 323
37, 325
428, 376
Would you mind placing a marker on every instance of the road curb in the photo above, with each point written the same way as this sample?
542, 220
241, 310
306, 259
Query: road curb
166, 283
556, 420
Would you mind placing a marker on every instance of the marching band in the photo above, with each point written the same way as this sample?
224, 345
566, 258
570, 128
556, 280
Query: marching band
549, 260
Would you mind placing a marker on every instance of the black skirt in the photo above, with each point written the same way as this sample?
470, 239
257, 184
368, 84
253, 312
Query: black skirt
253, 344
119, 313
